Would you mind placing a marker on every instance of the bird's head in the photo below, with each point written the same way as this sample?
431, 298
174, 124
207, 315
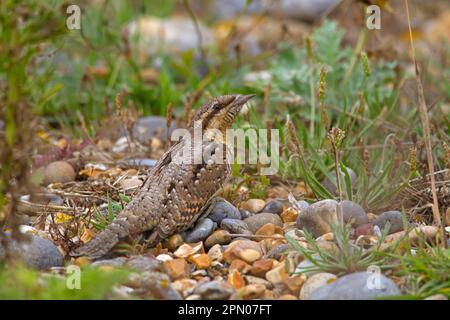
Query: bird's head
219, 113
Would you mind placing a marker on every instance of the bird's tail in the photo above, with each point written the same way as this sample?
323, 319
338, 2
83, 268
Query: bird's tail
99, 246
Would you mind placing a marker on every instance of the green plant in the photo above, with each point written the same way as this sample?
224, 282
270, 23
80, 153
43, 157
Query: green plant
101, 221
347, 258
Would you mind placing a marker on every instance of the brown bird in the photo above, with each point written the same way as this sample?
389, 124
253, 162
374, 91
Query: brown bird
180, 187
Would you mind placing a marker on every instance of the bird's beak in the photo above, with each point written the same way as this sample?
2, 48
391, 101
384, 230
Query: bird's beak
239, 101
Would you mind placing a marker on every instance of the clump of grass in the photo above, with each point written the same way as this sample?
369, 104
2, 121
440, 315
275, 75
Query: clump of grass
348, 258
427, 271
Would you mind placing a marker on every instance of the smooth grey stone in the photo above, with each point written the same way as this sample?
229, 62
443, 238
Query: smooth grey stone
301, 205
235, 226
222, 210
144, 263
318, 218
357, 286
352, 210
277, 252
214, 290
37, 253
116, 262
274, 206
393, 217
245, 214
200, 232
258, 220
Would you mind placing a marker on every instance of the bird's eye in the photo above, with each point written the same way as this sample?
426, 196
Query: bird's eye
216, 106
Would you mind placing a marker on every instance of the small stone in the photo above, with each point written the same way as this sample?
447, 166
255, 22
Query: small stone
314, 282
258, 220
372, 217
176, 268
114, 263
200, 260
245, 214
268, 295
277, 252
253, 205
289, 215
393, 217
253, 291
214, 290
277, 275
261, 267
174, 242
215, 253
240, 266
274, 206
222, 210
201, 231
355, 286
164, 257
328, 247
220, 237
258, 280
35, 252
247, 250
186, 250
144, 263
295, 283
58, 172
236, 280
301, 205
353, 212
130, 183
235, 226
267, 230
194, 297
307, 267
318, 217
156, 285
326, 237
184, 286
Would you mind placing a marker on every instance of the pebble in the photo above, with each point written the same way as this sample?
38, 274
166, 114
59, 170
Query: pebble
289, 215
318, 217
236, 280
258, 280
274, 206
365, 229
200, 232
261, 267
157, 285
214, 290
184, 286
269, 229
144, 263
306, 266
176, 268
116, 262
357, 286
220, 237
253, 205
235, 226
142, 162
438, 296
278, 251
257, 221
223, 209
252, 291
314, 282
246, 250
36, 253
174, 242
58, 172
294, 283
245, 214
393, 217
201, 260
277, 275
186, 250
164, 257
215, 253
240, 266
354, 212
